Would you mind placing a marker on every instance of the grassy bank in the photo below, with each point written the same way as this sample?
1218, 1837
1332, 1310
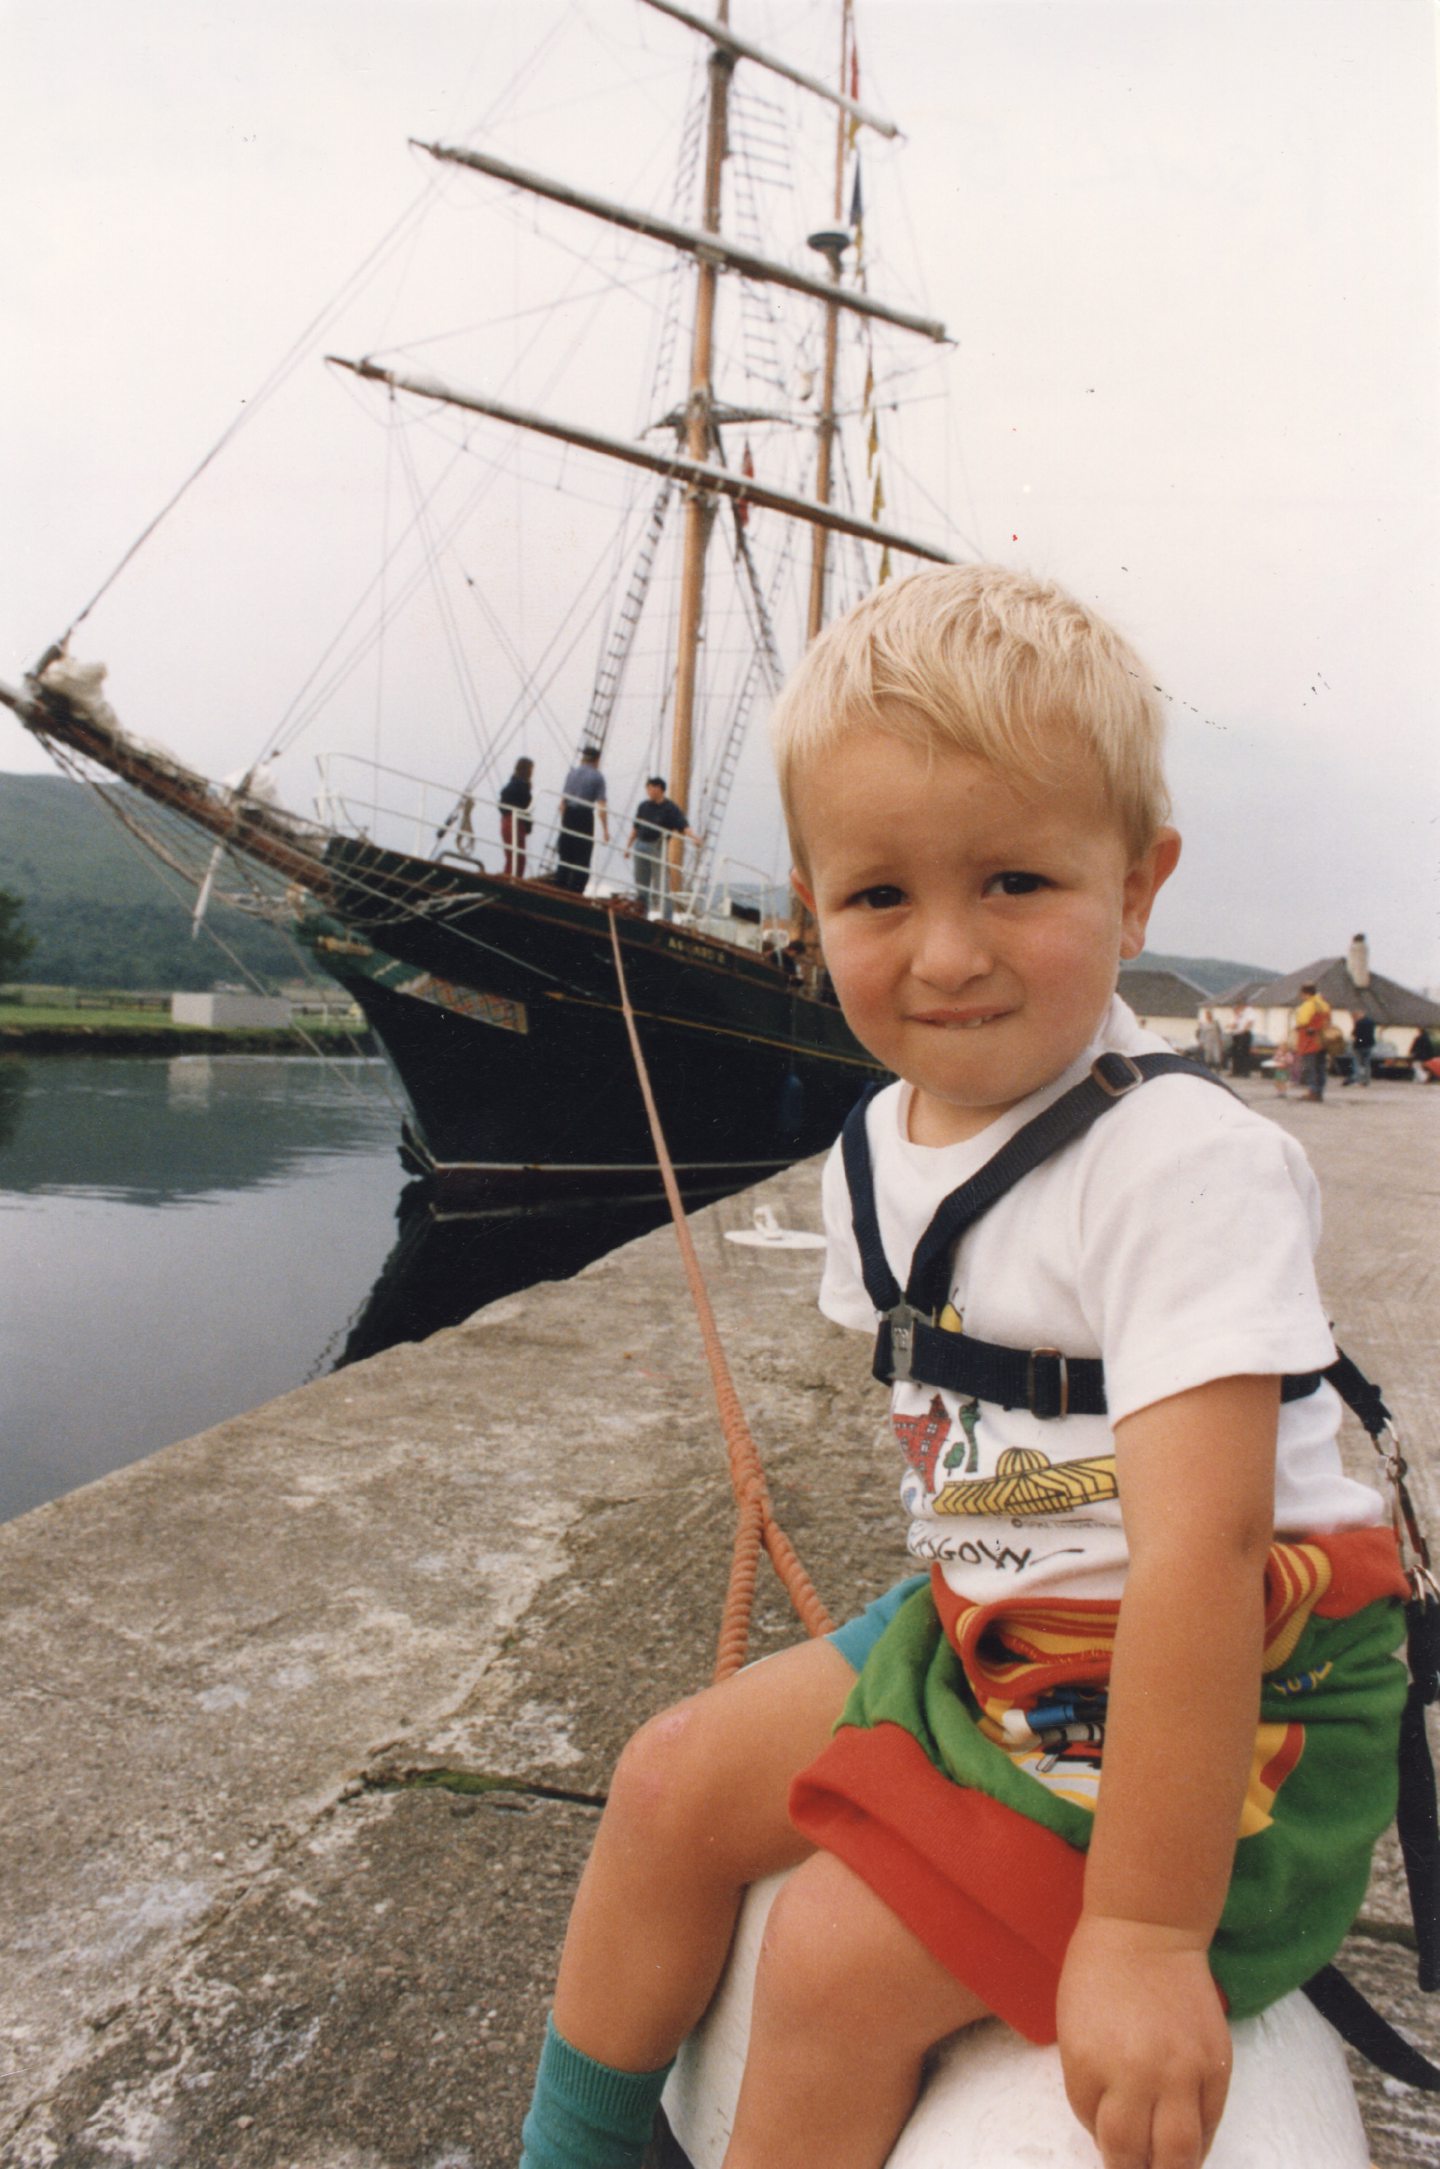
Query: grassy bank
40, 1029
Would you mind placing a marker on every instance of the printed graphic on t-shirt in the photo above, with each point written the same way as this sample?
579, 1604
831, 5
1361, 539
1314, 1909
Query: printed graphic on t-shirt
921, 1438
959, 1474
1024, 1481
1027, 1481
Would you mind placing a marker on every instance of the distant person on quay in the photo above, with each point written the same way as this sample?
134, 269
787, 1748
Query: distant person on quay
1212, 1040
1287, 1068
1312, 1021
1362, 1048
584, 799
516, 798
656, 818
1242, 1040
1422, 1054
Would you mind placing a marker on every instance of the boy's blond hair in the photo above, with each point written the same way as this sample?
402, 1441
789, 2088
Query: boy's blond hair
999, 665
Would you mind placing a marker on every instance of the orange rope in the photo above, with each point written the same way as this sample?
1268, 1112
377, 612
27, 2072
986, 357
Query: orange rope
755, 1519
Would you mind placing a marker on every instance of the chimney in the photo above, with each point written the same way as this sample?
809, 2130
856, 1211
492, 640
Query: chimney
1359, 960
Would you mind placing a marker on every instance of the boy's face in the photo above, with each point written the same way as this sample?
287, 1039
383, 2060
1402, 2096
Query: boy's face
973, 932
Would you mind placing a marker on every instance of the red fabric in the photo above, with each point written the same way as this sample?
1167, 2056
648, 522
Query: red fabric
1284, 1759
1364, 1565
991, 1895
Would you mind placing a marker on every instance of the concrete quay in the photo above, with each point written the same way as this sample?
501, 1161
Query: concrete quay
306, 1721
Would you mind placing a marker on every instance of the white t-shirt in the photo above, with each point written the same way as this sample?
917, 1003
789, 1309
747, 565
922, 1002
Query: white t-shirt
1175, 1240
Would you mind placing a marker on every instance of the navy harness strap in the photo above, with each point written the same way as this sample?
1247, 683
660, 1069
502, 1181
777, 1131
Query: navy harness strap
1357, 2021
881, 1285
1110, 1078
909, 1342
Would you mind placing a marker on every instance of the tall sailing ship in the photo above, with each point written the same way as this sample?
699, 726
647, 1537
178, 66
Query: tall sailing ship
495, 992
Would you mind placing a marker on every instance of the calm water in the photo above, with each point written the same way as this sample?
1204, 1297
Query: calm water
179, 1241
182, 1240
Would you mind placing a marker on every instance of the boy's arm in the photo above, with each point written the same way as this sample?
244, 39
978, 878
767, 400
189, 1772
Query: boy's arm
1143, 2038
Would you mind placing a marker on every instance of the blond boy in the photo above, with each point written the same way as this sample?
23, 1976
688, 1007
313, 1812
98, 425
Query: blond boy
971, 768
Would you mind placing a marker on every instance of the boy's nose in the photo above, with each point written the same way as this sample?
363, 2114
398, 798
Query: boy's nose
951, 952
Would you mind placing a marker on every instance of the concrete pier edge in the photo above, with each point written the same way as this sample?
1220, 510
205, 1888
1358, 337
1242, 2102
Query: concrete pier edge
307, 1721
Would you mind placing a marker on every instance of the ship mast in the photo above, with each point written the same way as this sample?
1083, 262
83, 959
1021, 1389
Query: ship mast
699, 503
696, 461
831, 246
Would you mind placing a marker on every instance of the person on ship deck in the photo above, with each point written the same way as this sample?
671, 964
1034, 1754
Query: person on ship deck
584, 799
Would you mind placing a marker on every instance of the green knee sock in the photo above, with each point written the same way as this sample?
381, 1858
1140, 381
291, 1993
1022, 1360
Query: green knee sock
585, 2115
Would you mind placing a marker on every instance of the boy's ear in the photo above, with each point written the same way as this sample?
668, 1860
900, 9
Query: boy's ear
1143, 884
802, 888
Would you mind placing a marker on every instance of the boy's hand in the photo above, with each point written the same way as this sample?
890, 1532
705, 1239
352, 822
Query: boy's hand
1143, 2042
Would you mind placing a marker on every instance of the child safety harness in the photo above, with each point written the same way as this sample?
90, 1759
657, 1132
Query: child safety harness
910, 1344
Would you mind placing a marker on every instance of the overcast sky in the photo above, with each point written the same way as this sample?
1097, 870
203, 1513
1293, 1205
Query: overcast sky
1188, 251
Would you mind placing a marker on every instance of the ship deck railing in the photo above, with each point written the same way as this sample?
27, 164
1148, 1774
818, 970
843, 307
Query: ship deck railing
400, 811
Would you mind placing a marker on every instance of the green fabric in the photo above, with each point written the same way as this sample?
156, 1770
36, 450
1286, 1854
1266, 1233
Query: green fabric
587, 2115
1297, 1884
858, 1636
1296, 1887
914, 1679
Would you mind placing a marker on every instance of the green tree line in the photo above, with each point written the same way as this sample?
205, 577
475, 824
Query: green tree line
94, 909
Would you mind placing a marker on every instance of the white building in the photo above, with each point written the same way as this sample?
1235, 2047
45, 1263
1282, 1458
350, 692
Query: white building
1349, 986
217, 1012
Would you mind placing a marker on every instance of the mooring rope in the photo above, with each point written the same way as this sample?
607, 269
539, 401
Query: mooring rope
755, 1522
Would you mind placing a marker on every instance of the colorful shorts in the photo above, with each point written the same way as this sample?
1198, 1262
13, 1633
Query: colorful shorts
962, 1777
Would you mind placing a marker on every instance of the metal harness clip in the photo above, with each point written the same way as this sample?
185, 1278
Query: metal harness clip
1115, 1087
902, 1321
1055, 1387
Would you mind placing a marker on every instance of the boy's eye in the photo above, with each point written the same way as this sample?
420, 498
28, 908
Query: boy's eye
1015, 884
883, 897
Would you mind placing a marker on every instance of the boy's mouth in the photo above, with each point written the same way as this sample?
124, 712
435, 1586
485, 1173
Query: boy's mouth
957, 1020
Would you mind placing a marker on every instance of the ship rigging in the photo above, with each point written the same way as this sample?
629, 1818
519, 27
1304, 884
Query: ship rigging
495, 996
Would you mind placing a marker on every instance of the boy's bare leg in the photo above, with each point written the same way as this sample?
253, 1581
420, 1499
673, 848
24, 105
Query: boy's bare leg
697, 1809
847, 2005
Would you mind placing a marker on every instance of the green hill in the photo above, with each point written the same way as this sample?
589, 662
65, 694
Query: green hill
1216, 974
97, 906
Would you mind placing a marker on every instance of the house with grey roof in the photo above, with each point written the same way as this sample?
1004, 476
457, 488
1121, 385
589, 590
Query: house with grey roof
1166, 1001
1348, 985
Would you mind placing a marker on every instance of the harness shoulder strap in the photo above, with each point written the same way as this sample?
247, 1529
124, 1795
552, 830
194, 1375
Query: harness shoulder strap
880, 1283
909, 1344
1112, 1077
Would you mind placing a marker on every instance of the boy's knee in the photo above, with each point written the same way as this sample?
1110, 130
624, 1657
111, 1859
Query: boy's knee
810, 1953
837, 1964
665, 1778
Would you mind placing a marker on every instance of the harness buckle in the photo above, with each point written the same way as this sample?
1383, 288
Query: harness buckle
1112, 1085
902, 1321
1047, 1392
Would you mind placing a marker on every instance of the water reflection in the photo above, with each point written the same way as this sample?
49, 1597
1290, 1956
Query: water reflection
179, 1242
153, 1131
13, 1082
182, 1240
444, 1266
